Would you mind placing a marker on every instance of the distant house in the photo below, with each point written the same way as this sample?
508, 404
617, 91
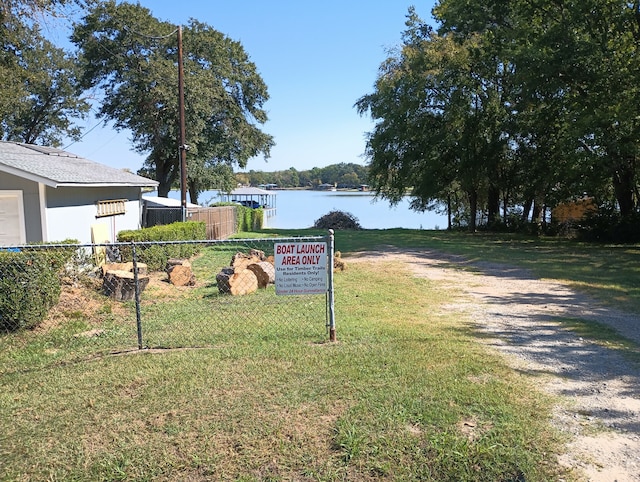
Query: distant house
326, 187
253, 197
50, 195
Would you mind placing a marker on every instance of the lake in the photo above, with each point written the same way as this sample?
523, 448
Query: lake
301, 208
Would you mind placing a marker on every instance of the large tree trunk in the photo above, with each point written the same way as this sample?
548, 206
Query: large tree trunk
538, 205
473, 210
193, 192
265, 273
163, 189
623, 186
526, 209
505, 206
120, 285
164, 180
493, 205
165, 175
236, 283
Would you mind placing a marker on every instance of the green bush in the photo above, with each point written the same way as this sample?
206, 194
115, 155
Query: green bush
608, 226
155, 256
249, 219
179, 231
337, 220
29, 287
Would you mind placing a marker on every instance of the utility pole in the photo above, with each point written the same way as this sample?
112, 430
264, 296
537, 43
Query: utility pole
182, 148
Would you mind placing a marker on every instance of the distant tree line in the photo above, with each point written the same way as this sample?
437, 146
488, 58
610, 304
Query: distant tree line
342, 175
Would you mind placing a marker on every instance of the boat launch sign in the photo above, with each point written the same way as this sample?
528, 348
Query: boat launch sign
301, 268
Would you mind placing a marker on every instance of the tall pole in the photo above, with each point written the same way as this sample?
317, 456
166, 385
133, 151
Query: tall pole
183, 146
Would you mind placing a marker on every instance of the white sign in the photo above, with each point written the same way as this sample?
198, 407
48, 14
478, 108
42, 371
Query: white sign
301, 268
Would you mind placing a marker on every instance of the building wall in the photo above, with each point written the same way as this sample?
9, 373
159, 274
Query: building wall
72, 210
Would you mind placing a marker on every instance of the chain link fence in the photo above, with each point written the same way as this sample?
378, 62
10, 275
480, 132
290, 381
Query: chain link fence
81, 300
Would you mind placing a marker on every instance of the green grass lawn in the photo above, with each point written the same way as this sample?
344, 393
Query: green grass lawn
609, 272
407, 392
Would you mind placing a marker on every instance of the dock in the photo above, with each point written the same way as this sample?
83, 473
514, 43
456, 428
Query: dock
253, 197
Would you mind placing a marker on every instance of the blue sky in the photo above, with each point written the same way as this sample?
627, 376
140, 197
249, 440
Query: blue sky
317, 59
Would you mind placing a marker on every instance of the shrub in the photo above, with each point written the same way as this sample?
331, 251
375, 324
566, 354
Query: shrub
155, 256
249, 219
29, 287
609, 227
179, 231
337, 220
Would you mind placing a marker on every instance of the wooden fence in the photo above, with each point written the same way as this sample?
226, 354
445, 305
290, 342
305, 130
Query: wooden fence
221, 221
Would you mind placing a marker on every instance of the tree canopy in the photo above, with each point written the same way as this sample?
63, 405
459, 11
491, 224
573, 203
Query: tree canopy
40, 96
132, 57
509, 108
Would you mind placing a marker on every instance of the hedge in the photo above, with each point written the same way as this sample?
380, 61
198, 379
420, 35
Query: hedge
249, 219
155, 256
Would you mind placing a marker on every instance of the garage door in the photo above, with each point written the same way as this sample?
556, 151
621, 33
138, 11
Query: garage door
12, 229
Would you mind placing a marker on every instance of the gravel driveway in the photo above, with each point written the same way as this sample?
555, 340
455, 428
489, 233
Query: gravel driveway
600, 388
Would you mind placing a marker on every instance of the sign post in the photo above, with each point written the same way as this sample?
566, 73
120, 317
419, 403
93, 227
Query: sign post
306, 268
331, 322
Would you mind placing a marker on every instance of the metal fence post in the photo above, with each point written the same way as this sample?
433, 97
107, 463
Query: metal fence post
137, 292
330, 293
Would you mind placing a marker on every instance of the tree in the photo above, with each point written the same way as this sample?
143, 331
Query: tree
576, 67
532, 102
439, 106
40, 96
132, 56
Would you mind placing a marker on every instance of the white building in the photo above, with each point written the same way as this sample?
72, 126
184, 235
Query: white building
50, 195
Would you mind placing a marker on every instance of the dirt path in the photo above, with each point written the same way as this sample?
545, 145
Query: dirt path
599, 387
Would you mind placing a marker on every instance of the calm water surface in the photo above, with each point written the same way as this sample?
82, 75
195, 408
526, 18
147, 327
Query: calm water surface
300, 209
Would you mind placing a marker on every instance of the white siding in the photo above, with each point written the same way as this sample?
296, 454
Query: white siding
72, 211
74, 222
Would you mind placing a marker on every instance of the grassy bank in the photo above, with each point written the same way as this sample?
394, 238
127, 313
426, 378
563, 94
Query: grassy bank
405, 394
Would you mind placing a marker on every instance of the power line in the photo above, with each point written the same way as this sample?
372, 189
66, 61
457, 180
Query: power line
150, 37
81, 137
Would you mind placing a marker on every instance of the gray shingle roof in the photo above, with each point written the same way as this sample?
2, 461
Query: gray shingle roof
55, 167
